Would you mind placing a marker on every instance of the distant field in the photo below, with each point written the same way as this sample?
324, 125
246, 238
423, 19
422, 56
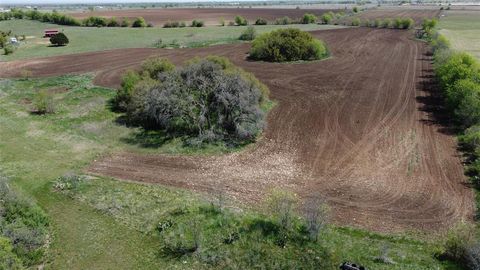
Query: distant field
83, 39
462, 28
211, 16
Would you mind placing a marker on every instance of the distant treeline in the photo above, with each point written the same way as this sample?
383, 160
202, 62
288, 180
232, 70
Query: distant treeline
63, 19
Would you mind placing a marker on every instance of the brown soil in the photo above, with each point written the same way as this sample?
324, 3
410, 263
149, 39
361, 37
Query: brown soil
361, 129
211, 16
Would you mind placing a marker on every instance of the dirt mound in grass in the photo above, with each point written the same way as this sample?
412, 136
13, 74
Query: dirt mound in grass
362, 129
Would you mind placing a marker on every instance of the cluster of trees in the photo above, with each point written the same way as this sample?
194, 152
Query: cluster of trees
63, 19
7, 48
208, 100
287, 45
53, 17
458, 75
397, 23
23, 230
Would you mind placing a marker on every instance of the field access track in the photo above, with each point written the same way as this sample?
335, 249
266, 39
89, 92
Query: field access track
360, 129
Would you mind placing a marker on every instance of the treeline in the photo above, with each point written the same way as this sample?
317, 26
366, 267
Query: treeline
396, 23
63, 19
458, 75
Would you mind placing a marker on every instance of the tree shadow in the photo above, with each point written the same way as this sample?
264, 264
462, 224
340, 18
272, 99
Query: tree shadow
432, 101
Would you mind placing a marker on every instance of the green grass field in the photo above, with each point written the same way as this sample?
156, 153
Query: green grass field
86, 39
107, 224
462, 28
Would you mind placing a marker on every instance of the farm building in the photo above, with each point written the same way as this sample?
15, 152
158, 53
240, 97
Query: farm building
50, 32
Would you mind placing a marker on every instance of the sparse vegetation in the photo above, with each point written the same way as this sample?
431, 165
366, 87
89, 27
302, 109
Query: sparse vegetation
287, 45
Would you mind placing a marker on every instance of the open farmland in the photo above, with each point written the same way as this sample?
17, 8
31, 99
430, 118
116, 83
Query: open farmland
356, 128
416, 14
211, 16
462, 28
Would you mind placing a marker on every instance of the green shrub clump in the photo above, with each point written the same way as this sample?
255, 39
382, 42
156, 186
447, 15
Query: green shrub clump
309, 18
59, 39
239, 20
287, 45
208, 100
327, 18
283, 21
43, 102
174, 24
197, 23
261, 21
139, 22
25, 226
249, 34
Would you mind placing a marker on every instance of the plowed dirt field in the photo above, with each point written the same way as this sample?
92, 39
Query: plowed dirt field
363, 129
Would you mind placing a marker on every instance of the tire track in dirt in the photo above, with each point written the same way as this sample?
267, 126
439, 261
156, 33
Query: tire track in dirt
353, 128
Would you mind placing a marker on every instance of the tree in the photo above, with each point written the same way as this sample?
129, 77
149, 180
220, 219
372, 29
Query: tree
125, 23
197, 23
112, 22
239, 20
249, 34
59, 39
261, 21
355, 9
139, 22
287, 45
326, 18
309, 18
207, 100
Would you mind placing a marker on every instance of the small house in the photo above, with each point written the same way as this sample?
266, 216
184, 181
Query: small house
50, 33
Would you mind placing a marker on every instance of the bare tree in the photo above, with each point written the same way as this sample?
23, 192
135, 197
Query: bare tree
316, 213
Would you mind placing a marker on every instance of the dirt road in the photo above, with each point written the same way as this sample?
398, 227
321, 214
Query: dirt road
360, 129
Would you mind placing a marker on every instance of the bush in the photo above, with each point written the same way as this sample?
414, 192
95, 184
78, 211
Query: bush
59, 39
458, 240
124, 95
68, 182
208, 100
355, 9
457, 67
197, 23
309, 18
43, 102
287, 45
8, 49
249, 34
139, 22
407, 23
239, 20
95, 22
283, 21
356, 22
261, 21
327, 18
125, 23
24, 224
154, 66
8, 259
112, 22
174, 24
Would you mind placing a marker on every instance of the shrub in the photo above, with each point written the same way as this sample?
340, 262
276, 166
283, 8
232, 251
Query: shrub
377, 23
261, 21
8, 49
287, 45
356, 22
249, 34
112, 22
139, 22
407, 23
316, 214
458, 240
222, 21
397, 23
458, 66
309, 18
154, 66
8, 259
197, 23
355, 9
125, 23
239, 20
205, 100
387, 23
124, 94
59, 39
327, 18
283, 21
95, 22
68, 182
43, 102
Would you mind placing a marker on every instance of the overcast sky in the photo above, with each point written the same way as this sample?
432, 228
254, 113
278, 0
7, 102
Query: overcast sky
33, 2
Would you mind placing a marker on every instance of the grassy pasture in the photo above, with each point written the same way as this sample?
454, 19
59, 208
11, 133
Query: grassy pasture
107, 224
88, 39
462, 28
